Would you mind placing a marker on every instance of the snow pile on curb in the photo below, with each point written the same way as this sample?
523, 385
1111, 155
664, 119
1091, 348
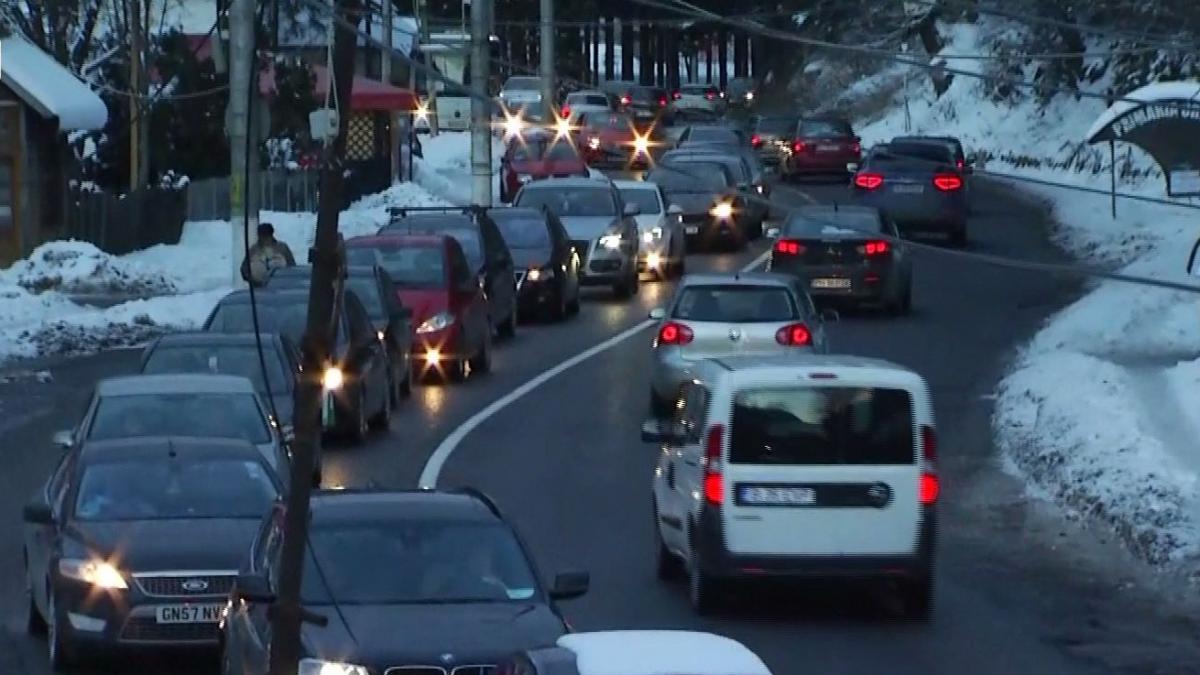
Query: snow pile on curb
78, 267
446, 168
1098, 409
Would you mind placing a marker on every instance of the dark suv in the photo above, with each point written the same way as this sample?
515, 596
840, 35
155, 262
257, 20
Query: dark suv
484, 246
423, 581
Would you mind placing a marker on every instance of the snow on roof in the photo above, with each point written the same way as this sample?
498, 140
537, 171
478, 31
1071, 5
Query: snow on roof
1151, 93
49, 88
304, 29
660, 652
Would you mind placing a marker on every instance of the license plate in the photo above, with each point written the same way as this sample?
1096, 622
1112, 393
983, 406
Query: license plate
831, 283
908, 189
828, 148
692, 229
187, 613
778, 496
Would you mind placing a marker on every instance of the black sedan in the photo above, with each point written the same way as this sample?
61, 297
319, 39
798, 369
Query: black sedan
422, 582
714, 215
137, 542
356, 381
274, 375
846, 253
374, 287
547, 267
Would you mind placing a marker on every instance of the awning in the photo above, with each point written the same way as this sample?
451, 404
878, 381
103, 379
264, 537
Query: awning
49, 88
367, 94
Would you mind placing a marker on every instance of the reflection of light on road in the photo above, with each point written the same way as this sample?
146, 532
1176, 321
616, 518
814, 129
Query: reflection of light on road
433, 398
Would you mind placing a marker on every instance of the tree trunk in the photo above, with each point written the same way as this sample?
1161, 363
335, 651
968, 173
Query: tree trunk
708, 58
645, 55
610, 49
628, 45
741, 56
723, 57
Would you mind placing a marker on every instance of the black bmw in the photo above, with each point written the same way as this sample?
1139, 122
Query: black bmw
415, 582
547, 267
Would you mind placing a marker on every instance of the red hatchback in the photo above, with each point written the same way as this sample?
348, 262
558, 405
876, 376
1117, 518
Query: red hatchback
615, 140
538, 154
821, 146
452, 335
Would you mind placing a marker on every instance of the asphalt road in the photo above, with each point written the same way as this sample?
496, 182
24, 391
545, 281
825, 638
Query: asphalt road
1019, 590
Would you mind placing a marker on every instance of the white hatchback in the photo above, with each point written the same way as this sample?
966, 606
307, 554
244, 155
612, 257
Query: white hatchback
663, 252
810, 466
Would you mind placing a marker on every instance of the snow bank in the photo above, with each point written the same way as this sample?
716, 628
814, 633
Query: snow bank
78, 267
446, 168
1098, 409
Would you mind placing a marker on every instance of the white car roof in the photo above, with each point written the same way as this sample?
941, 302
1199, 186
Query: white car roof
660, 652
635, 185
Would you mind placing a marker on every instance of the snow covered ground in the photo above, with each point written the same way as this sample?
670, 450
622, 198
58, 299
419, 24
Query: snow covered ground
176, 285
1099, 410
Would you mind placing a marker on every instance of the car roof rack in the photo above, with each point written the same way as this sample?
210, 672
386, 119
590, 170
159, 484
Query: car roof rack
403, 211
481, 496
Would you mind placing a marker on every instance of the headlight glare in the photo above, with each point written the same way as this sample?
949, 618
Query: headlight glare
435, 323
611, 242
534, 274
594, 143
724, 211
524, 177
322, 667
333, 378
95, 572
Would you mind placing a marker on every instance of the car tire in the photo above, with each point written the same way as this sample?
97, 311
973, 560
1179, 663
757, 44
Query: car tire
575, 304
406, 383
35, 623
681, 265
62, 652
508, 329
357, 425
917, 597
482, 362
621, 290
660, 408
702, 590
456, 370
383, 419
562, 308
667, 566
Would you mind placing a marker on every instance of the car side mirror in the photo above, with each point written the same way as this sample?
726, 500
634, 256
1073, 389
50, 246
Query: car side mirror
660, 431
568, 585
250, 587
772, 233
288, 433
674, 210
37, 513
830, 316
64, 439
852, 167
658, 313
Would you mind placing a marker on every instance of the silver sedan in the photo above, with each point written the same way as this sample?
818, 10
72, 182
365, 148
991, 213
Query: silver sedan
718, 315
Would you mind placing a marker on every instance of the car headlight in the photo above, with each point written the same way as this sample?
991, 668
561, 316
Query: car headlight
439, 321
333, 378
594, 143
611, 242
650, 236
322, 667
524, 178
760, 189
749, 96
95, 572
724, 211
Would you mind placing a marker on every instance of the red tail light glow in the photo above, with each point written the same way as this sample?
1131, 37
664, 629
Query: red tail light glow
673, 333
961, 165
789, 247
626, 100
565, 112
795, 335
714, 484
947, 182
799, 146
756, 140
677, 95
929, 489
873, 248
662, 101
710, 96
868, 181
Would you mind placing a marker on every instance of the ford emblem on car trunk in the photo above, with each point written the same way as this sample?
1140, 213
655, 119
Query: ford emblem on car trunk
195, 585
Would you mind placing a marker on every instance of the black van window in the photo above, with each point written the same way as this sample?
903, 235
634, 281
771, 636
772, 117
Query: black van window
822, 425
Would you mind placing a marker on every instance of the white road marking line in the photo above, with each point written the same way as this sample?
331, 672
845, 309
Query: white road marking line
433, 466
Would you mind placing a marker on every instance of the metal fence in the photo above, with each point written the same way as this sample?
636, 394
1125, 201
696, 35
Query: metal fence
126, 223
290, 191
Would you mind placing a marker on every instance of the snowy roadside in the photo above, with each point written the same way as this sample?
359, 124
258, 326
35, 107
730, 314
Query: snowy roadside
1098, 410
176, 285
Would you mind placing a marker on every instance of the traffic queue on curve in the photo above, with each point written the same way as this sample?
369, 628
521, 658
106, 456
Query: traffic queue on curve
779, 457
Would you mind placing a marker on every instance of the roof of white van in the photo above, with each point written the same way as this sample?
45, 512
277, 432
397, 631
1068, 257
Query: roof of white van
777, 365
660, 652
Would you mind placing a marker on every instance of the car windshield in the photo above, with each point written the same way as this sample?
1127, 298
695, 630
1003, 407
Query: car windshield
700, 89
825, 129
822, 425
171, 488
776, 125
461, 228
409, 267
215, 415
366, 289
736, 167
416, 561
814, 225
919, 152
713, 135
642, 95
287, 318
587, 99
696, 177
525, 83
647, 200
241, 360
608, 121
735, 304
565, 202
525, 232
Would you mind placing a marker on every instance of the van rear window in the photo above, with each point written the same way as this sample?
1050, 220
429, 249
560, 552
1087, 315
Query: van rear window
822, 425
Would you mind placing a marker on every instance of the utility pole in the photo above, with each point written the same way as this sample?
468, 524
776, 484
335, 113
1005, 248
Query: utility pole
385, 72
326, 257
547, 56
481, 109
138, 104
237, 124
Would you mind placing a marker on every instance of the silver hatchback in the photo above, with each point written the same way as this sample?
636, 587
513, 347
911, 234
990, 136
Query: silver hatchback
712, 316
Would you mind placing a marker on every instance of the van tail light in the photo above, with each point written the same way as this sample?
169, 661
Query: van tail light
675, 333
947, 182
794, 335
626, 100
799, 146
565, 112
756, 141
930, 486
788, 247
714, 482
868, 181
876, 248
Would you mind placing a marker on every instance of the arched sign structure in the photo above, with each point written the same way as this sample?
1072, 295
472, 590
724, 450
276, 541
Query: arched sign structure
1164, 120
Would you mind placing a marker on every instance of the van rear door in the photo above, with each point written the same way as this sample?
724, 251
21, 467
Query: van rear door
822, 469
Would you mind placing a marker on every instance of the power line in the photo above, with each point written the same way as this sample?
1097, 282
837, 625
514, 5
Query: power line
1071, 270
1097, 191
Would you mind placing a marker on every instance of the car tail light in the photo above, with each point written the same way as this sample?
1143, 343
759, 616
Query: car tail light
960, 164
930, 486
709, 96
626, 100
565, 112
674, 333
874, 248
856, 147
794, 335
714, 483
676, 95
799, 146
756, 140
662, 101
789, 247
947, 182
868, 181
930, 489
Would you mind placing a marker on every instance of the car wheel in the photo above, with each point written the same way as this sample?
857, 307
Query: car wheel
702, 589
667, 566
562, 308
482, 363
681, 265
383, 418
660, 408
35, 623
574, 306
406, 379
917, 596
621, 290
508, 329
58, 643
357, 426
456, 370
